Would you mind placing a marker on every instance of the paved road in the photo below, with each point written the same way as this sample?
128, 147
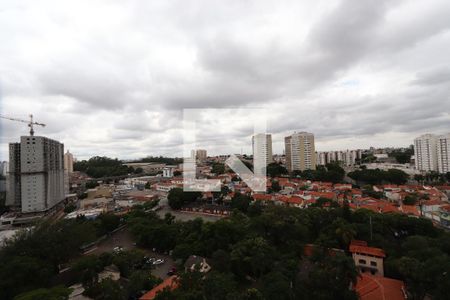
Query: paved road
124, 239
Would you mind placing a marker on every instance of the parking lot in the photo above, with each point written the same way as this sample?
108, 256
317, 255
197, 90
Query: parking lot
123, 238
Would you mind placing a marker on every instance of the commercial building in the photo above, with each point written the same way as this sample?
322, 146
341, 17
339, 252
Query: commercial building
262, 151
443, 153
36, 174
300, 151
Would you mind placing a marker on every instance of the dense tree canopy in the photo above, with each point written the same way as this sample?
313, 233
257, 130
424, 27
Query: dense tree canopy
218, 168
329, 173
402, 157
177, 197
259, 254
256, 253
276, 169
33, 257
98, 167
162, 160
377, 176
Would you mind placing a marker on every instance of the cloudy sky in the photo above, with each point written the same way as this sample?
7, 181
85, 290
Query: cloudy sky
113, 77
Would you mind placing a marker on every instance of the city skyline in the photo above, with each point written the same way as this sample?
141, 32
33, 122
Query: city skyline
118, 88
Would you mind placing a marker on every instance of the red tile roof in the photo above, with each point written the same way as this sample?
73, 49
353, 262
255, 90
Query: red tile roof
446, 208
358, 243
374, 288
262, 197
367, 250
410, 210
170, 283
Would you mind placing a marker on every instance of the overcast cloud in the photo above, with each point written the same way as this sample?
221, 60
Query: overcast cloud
112, 77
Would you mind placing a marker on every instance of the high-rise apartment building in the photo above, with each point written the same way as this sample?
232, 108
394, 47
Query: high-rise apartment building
321, 158
4, 168
300, 151
201, 154
346, 158
425, 151
262, 152
36, 174
443, 153
68, 162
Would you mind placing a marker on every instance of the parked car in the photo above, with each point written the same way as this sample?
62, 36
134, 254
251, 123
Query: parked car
117, 249
158, 262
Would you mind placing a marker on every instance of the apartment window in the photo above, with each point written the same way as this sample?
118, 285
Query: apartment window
362, 261
373, 263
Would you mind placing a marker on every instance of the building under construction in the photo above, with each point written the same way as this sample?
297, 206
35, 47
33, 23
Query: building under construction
36, 174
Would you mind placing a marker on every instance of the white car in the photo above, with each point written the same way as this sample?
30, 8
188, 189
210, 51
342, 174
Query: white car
158, 262
117, 249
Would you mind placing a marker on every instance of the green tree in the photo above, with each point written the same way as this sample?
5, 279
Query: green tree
275, 285
138, 170
410, 200
55, 293
109, 289
276, 186
91, 184
177, 197
107, 223
219, 286
275, 170
218, 168
88, 267
253, 256
240, 202
141, 280
221, 260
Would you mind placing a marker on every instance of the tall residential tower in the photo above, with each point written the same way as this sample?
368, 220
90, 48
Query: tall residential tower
300, 151
68, 162
443, 153
425, 151
262, 151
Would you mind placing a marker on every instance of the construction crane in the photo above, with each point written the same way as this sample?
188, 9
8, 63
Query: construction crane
30, 123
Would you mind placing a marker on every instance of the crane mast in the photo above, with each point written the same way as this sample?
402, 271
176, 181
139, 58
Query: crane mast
30, 123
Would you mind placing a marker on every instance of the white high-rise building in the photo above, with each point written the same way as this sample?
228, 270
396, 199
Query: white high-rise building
262, 151
68, 162
36, 174
321, 158
300, 151
346, 158
443, 153
426, 154
4, 168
